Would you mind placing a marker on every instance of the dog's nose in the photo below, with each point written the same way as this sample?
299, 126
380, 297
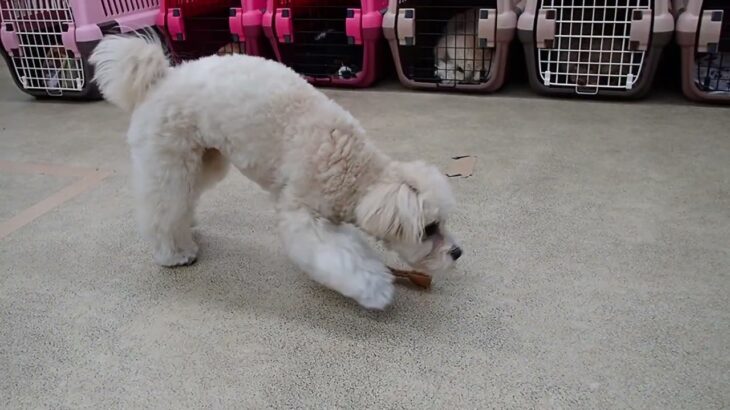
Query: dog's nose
455, 253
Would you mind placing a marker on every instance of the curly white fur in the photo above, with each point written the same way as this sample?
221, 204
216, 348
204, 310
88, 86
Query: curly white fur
127, 67
327, 179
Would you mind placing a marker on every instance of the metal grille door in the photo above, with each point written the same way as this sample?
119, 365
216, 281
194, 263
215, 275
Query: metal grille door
321, 48
595, 43
42, 62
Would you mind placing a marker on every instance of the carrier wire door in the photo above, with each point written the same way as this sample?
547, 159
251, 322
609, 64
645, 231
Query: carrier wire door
198, 28
334, 42
41, 62
450, 45
46, 43
594, 47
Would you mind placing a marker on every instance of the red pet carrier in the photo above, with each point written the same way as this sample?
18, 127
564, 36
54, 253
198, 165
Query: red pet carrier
451, 44
199, 28
46, 43
703, 33
594, 47
333, 42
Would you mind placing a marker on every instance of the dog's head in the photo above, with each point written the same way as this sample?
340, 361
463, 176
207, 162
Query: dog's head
407, 208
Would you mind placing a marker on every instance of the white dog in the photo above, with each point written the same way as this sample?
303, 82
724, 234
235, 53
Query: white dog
458, 54
327, 179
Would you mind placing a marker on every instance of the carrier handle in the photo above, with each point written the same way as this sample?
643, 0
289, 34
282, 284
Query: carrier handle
406, 27
353, 26
545, 30
487, 28
710, 29
9, 39
284, 26
640, 29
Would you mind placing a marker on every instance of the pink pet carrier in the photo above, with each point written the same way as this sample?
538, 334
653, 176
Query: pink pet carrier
199, 28
332, 42
703, 33
46, 43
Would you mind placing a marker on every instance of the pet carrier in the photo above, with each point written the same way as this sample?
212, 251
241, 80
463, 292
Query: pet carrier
594, 47
199, 28
46, 43
703, 33
451, 44
333, 42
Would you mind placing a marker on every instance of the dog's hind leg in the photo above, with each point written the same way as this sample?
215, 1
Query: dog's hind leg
338, 257
166, 186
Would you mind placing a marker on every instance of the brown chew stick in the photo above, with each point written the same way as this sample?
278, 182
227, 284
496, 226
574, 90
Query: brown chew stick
417, 278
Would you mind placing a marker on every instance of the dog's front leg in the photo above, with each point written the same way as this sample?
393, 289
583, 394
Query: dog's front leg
338, 257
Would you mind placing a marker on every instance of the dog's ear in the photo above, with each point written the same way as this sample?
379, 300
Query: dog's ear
391, 211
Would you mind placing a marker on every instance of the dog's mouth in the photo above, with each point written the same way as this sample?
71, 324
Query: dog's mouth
433, 270
436, 263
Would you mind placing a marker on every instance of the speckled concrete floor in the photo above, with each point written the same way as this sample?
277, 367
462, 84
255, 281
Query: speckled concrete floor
595, 274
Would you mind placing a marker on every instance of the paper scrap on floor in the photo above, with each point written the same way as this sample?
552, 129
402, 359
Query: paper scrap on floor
462, 166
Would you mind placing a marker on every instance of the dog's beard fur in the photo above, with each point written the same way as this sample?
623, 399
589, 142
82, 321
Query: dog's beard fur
399, 211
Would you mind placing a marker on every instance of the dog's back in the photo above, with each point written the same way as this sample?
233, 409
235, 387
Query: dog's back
128, 68
257, 112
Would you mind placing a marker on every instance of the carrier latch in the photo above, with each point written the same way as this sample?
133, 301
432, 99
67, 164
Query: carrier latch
9, 39
640, 29
545, 30
353, 26
284, 25
487, 27
68, 38
708, 37
235, 24
176, 24
406, 27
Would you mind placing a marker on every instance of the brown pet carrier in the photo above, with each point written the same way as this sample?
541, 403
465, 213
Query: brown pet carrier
703, 33
594, 47
453, 45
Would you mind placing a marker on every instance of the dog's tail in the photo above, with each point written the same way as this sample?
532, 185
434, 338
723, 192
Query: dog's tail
127, 67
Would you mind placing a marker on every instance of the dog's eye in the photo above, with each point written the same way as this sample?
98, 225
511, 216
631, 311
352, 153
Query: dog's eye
431, 229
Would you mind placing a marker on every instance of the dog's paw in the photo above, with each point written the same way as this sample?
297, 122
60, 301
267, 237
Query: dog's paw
377, 293
173, 260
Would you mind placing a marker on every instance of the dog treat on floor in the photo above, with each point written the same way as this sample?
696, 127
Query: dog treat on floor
417, 278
